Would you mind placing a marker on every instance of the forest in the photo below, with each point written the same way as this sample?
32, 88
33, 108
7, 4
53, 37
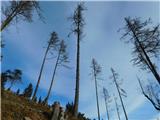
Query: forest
74, 60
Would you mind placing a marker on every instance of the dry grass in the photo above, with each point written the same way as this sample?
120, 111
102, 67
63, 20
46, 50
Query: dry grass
16, 108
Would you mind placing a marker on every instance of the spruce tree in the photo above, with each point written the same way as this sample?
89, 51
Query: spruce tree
28, 91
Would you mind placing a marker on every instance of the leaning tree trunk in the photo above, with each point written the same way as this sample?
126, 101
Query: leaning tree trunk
11, 16
117, 109
107, 108
54, 72
150, 64
120, 97
40, 74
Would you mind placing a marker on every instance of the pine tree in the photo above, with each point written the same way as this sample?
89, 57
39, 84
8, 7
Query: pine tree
28, 91
4, 78
13, 77
18, 91
40, 100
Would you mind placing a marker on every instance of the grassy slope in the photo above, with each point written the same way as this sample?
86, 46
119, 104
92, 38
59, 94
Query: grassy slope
16, 108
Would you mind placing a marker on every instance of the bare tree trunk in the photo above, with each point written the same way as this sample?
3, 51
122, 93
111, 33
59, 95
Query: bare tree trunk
120, 96
76, 100
97, 96
40, 74
151, 66
54, 72
117, 109
106, 103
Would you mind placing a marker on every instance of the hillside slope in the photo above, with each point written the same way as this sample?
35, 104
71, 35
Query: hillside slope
14, 107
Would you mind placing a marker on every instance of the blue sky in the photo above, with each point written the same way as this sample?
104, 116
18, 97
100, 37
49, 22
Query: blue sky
24, 50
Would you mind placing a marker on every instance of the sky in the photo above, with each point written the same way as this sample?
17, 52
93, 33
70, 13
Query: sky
26, 42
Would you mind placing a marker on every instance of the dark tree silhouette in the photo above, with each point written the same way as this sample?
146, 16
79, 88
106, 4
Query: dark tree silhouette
146, 41
19, 10
40, 100
96, 71
18, 91
52, 45
78, 23
4, 78
106, 98
69, 108
62, 58
11, 76
28, 91
2, 46
121, 92
151, 93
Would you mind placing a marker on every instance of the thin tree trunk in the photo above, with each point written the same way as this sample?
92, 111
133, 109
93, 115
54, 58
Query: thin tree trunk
120, 97
97, 96
153, 70
117, 109
107, 108
76, 99
54, 72
40, 74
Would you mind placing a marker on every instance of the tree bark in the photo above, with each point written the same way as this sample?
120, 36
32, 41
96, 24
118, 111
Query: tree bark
76, 100
40, 74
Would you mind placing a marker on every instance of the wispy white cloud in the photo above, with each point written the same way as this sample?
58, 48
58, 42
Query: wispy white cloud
101, 41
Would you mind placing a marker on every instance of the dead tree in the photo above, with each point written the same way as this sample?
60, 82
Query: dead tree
117, 108
151, 94
77, 28
19, 10
121, 92
106, 98
52, 45
146, 41
96, 70
62, 58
